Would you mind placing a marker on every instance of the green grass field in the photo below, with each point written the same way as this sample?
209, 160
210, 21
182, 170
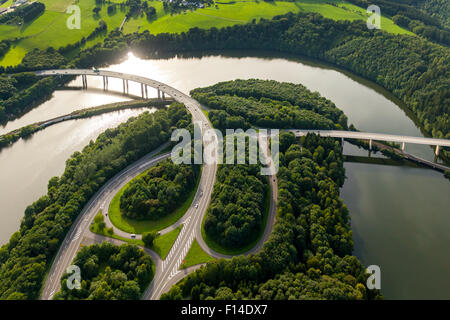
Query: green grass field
245, 11
141, 226
6, 4
163, 244
236, 251
95, 229
50, 28
195, 256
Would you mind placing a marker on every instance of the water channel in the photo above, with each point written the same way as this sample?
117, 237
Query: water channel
400, 215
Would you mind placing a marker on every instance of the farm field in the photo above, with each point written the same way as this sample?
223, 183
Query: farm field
6, 4
226, 14
50, 28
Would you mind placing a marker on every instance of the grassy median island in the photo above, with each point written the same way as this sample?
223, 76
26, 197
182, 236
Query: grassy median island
161, 244
140, 226
99, 227
195, 256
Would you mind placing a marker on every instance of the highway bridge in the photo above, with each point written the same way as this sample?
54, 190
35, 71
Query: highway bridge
144, 82
376, 137
437, 143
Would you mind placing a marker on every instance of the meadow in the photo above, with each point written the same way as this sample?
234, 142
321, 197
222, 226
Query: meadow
50, 28
228, 13
6, 4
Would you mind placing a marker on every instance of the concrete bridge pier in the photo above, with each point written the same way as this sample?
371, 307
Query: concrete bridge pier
84, 80
105, 83
436, 154
403, 146
146, 92
123, 83
159, 94
142, 91
163, 96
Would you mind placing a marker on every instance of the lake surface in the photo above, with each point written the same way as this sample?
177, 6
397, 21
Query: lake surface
400, 215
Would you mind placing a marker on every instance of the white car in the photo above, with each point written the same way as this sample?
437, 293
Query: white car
133, 236
196, 206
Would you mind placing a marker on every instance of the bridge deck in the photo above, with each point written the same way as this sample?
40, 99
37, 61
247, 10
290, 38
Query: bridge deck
374, 136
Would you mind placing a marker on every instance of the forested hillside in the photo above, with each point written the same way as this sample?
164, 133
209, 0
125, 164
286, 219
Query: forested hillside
26, 257
438, 9
408, 14
109, 272
311, 244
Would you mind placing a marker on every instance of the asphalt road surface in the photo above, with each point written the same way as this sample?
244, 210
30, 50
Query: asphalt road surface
169, 268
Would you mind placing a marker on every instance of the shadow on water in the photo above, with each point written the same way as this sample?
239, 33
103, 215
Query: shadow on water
100, 90
379, 161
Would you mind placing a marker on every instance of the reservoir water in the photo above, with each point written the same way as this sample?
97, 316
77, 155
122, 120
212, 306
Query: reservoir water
400, 215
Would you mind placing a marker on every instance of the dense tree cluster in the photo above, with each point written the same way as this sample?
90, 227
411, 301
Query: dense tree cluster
22, 91
7, 139
268, 103
26, 257
38, 60
438, 9
102, 28
4, 47
159, 191
235, 214
176, 6
150, 12
308, 255
135, 7
112, 50
407, 14
109, 272
23, 14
